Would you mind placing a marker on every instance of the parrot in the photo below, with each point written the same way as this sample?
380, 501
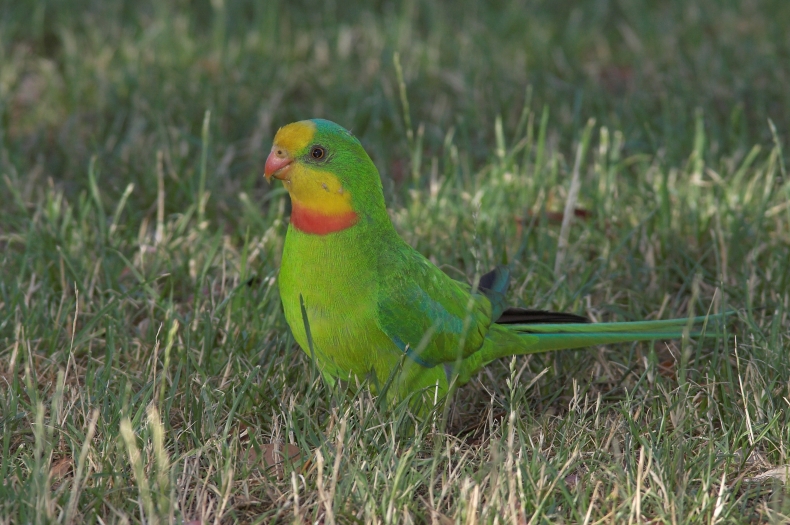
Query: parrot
365, 305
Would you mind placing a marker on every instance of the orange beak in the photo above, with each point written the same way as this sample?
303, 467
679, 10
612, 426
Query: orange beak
277, 164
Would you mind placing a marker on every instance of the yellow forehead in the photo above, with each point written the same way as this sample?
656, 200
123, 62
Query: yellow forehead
295, 137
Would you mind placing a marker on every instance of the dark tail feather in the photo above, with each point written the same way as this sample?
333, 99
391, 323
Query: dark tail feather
495, 281
526, 316
494, 285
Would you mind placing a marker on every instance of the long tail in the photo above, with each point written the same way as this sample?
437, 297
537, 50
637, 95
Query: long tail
518, 339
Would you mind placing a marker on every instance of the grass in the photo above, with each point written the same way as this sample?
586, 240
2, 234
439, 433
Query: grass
147, 371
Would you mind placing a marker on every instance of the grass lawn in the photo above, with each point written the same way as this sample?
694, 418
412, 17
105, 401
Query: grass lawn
146, 371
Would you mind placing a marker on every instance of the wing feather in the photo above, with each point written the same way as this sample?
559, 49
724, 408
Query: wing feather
431, 317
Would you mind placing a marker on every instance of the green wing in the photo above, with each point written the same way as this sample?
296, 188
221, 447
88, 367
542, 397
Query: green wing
431, 317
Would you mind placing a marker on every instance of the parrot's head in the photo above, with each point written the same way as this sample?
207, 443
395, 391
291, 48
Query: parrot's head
331, 179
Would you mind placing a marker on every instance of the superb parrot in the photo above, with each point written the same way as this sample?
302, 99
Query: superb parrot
364, 304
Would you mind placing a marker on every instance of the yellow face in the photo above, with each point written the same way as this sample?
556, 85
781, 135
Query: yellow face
310, 188
319, 191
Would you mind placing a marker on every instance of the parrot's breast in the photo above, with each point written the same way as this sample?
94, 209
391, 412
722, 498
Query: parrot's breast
336, 279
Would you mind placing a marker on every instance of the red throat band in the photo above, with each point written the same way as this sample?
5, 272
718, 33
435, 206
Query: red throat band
315, 222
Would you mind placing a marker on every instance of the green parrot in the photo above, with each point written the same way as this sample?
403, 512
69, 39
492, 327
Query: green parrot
365, 305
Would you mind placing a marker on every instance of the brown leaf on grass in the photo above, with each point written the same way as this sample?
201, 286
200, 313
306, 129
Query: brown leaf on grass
779, 473
667, 369
61, 468
277, 453
555, 217
274, 457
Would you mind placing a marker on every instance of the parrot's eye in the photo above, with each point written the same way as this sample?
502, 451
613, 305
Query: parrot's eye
318, 152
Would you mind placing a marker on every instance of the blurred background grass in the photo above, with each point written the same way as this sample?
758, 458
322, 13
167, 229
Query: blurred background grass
122, 80
124, 286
